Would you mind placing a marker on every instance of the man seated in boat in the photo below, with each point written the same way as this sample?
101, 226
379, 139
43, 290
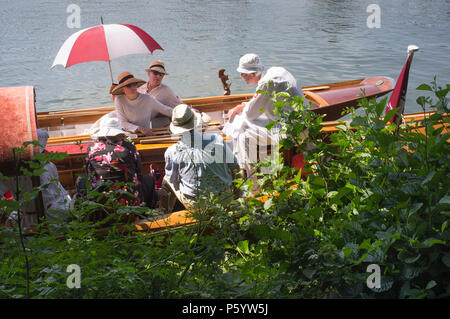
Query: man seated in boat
198, 164
247, 124
159, 91
135, 110
113, 159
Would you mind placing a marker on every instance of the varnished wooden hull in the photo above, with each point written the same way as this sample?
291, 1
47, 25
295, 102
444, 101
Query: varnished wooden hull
330, 99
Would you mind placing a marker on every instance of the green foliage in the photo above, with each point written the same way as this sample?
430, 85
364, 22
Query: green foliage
375, 194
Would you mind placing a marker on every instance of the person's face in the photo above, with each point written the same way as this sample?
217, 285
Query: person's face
155, 78
250, 78
130, 89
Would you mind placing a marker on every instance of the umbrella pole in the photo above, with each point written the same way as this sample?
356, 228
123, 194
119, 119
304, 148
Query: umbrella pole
109, 62
110, 72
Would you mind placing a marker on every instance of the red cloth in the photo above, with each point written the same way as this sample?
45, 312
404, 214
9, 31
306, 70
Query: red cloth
298, 161
71, 149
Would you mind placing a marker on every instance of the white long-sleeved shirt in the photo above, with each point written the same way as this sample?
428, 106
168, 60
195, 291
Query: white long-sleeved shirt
162, 93
276, 79
140, 111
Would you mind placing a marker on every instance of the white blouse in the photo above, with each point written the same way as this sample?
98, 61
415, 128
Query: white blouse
140, 111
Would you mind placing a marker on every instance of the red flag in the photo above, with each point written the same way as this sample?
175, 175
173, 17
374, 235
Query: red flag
397, 100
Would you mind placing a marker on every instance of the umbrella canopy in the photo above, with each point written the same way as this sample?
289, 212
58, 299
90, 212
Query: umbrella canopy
104, 43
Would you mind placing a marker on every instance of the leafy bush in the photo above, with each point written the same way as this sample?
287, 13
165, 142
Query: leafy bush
376, 194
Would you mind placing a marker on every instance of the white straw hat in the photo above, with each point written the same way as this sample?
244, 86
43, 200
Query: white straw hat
109, 126
185, 119
250, 63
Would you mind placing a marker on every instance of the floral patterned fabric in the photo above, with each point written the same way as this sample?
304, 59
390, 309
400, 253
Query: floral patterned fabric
115, 162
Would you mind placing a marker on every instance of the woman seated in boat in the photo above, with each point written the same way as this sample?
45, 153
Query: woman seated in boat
135, 110
113, 159
159, 91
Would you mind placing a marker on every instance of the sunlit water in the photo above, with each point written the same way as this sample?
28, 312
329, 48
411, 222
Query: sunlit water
318, 41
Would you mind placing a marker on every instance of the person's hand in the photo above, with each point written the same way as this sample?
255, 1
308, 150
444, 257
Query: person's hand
235, 111
145, 131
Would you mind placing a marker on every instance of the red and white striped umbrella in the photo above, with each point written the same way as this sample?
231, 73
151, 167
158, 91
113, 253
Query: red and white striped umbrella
104, 43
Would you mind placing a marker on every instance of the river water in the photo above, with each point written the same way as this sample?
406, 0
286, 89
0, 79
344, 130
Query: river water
318, 41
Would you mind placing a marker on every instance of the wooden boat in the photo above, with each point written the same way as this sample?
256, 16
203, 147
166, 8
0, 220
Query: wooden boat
66, 127
330, 99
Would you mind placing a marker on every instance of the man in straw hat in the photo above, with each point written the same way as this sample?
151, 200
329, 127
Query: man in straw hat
247, 124
198, 164
111, 158
160, 91
136, 111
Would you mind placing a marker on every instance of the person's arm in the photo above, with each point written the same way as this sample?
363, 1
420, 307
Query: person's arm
171, 98
171, 170
252, 109
235, 111
159, 107
126, 125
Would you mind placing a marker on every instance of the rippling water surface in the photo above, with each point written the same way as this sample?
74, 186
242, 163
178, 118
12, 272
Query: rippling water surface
319, 41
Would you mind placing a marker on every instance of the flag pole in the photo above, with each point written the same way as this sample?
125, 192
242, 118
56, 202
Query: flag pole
397, 100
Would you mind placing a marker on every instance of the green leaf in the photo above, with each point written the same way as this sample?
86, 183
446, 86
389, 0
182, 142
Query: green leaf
414, 209
446, 259
379, 108
365, 244
309, 273
424, 87
445, 200
347, 251
332, 194
243, 247
389, 115
411, 272
444, 225
431, 284
433, 241
408, 257
429, 177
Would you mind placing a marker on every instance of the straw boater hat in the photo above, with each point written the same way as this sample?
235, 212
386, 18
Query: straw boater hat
125, 78
185, 119
157, 66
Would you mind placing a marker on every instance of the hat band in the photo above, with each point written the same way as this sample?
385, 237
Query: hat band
126, 78
158, 65
251, 67
177, 123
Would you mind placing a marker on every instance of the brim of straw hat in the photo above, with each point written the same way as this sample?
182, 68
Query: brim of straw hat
118, 90
157, 69
107, 131
195, 121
